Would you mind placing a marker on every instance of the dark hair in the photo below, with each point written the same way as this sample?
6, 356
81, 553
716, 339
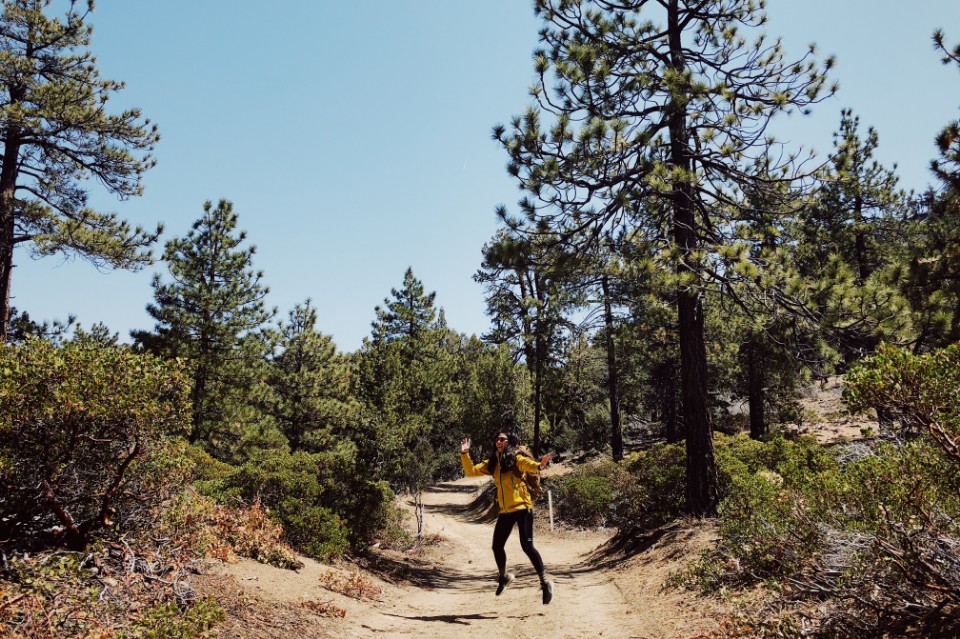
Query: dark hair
509, 454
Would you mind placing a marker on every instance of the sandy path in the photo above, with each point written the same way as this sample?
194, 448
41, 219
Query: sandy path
448, 589
463, 598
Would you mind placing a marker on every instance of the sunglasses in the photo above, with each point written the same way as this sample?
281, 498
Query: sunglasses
501, 439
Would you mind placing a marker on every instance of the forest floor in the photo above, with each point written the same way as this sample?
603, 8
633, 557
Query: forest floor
445, 587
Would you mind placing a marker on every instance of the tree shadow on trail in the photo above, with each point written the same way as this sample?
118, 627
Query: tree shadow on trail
630, 542
450, 487
427, 575
482, 508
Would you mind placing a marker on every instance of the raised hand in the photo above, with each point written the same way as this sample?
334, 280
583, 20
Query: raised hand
465, 445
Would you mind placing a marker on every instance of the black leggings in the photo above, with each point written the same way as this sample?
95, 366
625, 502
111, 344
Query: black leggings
524, 521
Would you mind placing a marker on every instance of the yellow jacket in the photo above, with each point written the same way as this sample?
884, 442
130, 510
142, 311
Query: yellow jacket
512, 493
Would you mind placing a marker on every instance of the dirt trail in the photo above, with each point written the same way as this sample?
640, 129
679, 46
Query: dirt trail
447, 589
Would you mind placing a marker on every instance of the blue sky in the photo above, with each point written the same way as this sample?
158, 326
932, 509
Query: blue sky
354, 137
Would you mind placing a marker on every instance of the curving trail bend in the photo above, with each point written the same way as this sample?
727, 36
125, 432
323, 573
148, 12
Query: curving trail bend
446, 589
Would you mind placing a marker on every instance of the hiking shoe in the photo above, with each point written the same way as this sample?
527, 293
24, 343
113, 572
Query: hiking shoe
547, 587
503, 581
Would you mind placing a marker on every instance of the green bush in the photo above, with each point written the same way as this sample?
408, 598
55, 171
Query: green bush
167, 621
905, 500
314, 530
646, 490
876, 533
775, 495
586, 498
324, 501
895, 555
656, 493
82, 431
923, 391
796, 460
912, 484
765, 527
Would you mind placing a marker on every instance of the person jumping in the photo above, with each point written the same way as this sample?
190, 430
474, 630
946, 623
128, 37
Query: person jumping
507, 465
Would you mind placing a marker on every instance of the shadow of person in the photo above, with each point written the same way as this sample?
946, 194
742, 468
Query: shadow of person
463, 620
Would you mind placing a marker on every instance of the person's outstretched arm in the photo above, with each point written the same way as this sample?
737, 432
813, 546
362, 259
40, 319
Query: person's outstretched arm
469, 469
527, 465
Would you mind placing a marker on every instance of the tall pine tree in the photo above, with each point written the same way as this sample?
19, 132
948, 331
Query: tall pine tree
56, 133
661, 99
933, 279
212, 313
407, 379
947, 166
527, 282
311, 398
408, 314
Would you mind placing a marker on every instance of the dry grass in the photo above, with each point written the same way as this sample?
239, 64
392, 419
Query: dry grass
324, 608
355, 585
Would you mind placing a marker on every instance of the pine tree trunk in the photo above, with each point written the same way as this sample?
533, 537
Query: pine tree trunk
702, 480
616, 432
758, 420
8, 184
531, 351
668, 402
863, 267
6, 263
537, 393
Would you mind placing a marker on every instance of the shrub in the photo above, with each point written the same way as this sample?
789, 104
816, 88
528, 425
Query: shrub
113, 591
324, 501
765, 527
796, 460
167, 621
314, 530
646, 490
871, 534
289, 488
908, 498
909, 483
586, 497
922, 391
656, 493
775, 495
898, 546
81, 436
207, 529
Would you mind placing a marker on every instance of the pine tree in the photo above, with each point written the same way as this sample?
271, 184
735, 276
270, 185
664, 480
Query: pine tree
947, 167
856, 202
56, 133
850, 245
410, 312
311, 383
212, 313
676, 111
933, 277
528, 291
495, 390
408, 381
22, 327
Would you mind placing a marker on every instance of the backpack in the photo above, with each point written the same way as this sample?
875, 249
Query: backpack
532, 480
